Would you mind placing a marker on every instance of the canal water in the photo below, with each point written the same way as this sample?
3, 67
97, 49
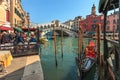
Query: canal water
66, 69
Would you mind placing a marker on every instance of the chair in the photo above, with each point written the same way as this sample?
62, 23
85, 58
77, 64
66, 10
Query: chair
2, 68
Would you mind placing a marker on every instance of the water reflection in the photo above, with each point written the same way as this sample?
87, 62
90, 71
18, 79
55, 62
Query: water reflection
67, 69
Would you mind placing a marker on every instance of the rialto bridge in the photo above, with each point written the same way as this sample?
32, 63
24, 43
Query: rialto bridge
48, 27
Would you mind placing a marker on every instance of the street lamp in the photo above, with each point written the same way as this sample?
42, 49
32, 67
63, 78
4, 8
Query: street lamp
28, 19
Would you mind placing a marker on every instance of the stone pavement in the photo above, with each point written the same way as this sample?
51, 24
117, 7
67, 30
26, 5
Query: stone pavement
24, 68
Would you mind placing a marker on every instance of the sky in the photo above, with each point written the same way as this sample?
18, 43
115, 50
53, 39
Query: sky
44, 11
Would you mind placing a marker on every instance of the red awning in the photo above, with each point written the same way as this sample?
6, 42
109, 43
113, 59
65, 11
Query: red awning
5, 28
26, 29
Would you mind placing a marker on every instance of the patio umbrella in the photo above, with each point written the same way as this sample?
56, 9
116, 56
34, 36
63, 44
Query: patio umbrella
18, 29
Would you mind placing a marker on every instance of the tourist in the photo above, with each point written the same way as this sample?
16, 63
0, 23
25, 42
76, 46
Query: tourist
5, 37
18, 38
32, 39
12, 36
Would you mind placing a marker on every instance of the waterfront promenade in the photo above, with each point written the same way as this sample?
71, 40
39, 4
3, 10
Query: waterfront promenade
24, 68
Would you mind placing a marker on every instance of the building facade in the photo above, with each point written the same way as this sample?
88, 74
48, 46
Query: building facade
91, 20
69, 23
4, 12
12, 14
112, 22
74, 24
18, 17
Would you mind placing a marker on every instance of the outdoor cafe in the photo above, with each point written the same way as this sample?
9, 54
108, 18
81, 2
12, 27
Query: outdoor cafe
5, 55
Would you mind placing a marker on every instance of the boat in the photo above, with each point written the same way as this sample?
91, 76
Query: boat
87, 65
90, 58
43, 40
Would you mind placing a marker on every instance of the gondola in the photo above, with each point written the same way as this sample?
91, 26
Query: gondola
83, 71
87, 65
88, 60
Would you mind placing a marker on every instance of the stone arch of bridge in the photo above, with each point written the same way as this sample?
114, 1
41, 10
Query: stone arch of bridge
67, 30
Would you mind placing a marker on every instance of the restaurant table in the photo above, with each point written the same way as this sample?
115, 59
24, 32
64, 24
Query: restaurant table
6, 57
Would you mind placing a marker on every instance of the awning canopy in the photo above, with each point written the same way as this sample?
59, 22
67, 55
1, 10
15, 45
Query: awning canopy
103, 4
26, 29
5, 28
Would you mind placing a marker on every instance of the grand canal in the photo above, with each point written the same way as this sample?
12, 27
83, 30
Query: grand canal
66, 69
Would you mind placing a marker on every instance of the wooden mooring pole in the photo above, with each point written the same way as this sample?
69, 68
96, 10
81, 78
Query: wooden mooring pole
105, 46
62, 41
98, 51
55, 46
80, 50
79, 55
38, 41
119, 39
78, 44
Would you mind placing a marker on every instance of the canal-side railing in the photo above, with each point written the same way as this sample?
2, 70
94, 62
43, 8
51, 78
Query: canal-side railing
21, 49
113, 60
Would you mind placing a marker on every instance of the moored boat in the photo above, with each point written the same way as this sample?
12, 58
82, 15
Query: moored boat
90, 58
43, 40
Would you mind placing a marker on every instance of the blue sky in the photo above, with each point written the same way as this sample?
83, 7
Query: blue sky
43, 11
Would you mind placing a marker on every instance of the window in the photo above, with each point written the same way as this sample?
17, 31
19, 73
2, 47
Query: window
15, 21
117, 28
93, 26
114, 22
108, 27
108, 22
19, 14
101, 20
84, 25
7, 16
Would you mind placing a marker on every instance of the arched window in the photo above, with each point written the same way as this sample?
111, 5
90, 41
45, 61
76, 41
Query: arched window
48, 26
7, 15
93, 27
114, 22
45, 27
41, 27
